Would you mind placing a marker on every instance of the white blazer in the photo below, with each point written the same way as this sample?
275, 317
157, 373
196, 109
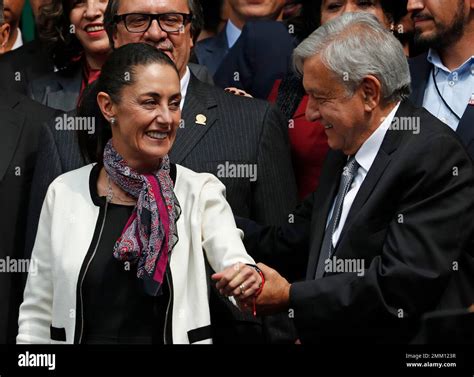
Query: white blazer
66, 227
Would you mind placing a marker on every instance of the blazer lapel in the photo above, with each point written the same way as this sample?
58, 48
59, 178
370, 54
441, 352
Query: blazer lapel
325, 194
199, 115
67, 95
381, 162
465, 129
420, 69
11, 124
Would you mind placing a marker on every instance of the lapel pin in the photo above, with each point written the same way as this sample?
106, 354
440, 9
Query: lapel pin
471, 101
201, 119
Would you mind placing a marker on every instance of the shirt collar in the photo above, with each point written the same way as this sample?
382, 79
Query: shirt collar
366, 154
434, 58
232, 32
184, 86
18, 41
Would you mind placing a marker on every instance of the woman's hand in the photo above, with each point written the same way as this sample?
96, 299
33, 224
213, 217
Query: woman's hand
239, 280
237, 92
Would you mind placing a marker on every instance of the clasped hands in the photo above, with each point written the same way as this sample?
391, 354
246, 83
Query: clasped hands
243, 283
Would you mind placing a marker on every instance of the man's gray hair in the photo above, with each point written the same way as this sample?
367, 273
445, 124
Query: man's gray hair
355, 45
2, 16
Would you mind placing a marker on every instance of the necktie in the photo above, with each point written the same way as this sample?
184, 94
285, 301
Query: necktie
327, 249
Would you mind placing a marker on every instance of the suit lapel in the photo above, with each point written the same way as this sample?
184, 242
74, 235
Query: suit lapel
325, 194
420, 69
382, 160
67, 95
465, 129
11, 126
199, 115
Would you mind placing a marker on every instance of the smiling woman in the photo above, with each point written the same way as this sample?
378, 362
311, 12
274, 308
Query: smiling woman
120, 242
74, 34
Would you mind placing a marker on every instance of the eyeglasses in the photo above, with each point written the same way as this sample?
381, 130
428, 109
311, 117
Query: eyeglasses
168, 22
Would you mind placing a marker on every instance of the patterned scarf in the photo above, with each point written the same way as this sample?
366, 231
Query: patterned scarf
150, 233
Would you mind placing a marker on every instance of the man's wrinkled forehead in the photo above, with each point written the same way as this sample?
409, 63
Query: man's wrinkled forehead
153, 6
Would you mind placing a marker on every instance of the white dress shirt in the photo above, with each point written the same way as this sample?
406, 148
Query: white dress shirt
456, 87
365, 157
18, 41
232, 32
184, 87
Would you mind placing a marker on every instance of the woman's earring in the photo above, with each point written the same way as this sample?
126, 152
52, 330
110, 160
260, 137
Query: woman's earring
112, 121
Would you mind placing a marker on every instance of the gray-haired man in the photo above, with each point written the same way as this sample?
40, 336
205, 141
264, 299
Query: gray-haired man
382, 240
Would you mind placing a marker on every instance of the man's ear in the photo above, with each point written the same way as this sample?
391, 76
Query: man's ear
4, 35
106, 105
371, 91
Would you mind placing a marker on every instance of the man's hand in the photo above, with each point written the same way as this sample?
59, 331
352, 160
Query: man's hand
275, 296
240, 281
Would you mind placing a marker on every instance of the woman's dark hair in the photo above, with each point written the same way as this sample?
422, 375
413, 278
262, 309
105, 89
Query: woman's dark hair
118, 72
211, 10
54, 28
307, 21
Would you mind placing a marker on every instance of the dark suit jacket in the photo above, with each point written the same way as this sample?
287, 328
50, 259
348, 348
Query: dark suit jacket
410, 223
260, 56
60, 90
20, 121
211, 51
420, 70
19, 67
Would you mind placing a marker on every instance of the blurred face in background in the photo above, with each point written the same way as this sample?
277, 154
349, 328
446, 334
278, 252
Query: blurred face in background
245, 10
331, 9
87, 17
12, 13
36, 5
439, 23
292, 8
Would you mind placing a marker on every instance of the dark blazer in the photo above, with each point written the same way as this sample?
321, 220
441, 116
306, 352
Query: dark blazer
20, 121
23, 65
211, 51
420, 70
60, 90
260, 56
411, 224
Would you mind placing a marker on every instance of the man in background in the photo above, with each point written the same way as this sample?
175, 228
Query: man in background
30, 61
210, 52
443, 78
12, 14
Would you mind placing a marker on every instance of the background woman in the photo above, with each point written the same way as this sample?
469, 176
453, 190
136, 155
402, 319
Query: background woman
120, 243
73, 31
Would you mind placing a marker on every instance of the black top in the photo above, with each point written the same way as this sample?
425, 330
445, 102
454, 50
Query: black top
115, 306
